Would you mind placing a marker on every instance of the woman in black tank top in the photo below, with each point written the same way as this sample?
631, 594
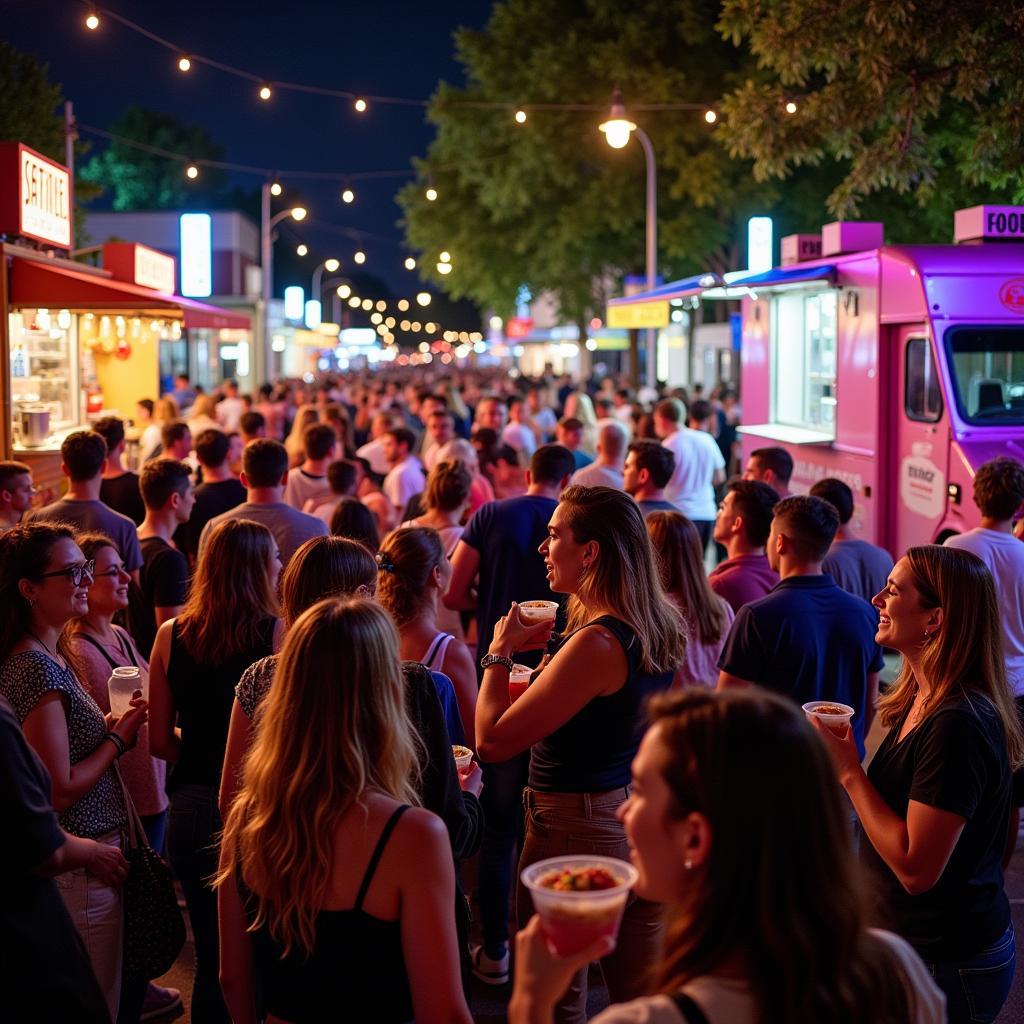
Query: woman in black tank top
349, 890
584, 712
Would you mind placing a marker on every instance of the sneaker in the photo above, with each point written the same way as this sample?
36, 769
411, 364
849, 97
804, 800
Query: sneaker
487, 970
159, 1001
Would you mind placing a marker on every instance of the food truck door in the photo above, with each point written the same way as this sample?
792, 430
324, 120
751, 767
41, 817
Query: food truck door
918, 445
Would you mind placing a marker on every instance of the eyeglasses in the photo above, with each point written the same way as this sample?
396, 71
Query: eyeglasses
75, 573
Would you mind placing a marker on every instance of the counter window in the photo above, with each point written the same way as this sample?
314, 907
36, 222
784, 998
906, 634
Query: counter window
44, 372
922, 399
987, 364
804, 358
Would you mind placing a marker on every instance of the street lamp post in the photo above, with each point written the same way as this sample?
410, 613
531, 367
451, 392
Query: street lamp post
617, 131
330, 265
267, 223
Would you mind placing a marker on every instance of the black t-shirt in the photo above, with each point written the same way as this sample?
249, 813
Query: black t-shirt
955, 760
211, 500
122, 494
163, 583
45, 974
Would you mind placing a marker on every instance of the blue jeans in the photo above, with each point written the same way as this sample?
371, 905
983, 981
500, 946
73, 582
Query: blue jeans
192, 850
977, 988
155, 827
502, 802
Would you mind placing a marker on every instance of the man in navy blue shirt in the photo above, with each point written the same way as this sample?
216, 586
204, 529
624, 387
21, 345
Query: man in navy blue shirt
806, 638
498, 552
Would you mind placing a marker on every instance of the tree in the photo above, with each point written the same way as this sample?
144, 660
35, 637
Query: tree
548, 203
922, 99
142, 180
31, 111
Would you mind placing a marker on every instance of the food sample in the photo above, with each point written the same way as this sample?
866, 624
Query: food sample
831, 709
463, 755
586, 879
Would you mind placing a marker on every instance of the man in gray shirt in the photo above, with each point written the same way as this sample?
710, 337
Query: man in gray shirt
265, 476
858, 567
83, 454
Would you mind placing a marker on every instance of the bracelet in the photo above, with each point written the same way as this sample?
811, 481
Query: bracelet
119, 744
496, 659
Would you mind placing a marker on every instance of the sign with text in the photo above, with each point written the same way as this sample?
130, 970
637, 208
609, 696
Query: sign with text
1005, 223
35, 196
518, 326
797, 248
138, 264
639, 314
196, 250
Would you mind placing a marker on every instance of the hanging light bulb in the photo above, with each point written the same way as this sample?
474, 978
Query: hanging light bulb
359, 256
423, 298
92, 21
431, 193
344, 291
331, 265
265, 91
790, 107
410, 263
192, 172
276, 188
710, 116
184, 64
444, 268
348, 196
301, 249
618, 128
520, 117
445, 257
403, 305
360, 105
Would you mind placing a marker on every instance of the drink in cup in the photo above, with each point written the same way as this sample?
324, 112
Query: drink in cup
536, 612
834, 716
579, 899
123, 682
518, 681
463, 756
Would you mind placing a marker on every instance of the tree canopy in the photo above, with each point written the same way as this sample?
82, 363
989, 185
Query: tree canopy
925, 98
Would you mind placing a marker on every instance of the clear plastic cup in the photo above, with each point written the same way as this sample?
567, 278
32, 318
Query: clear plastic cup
571, 921
835, 721
123, 682
463, 756
518, 681
538, 611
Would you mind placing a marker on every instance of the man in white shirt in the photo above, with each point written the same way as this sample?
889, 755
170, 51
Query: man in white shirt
373, 450
606, 469
519, 433
405, 478
699, 463
309, 481
230, 408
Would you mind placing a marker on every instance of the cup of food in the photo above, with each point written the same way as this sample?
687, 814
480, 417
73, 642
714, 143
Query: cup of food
536, 612
463, 756
579, 899
518, 681
836, 717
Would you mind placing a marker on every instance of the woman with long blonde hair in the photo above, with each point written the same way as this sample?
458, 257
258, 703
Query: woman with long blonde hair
933, 804
578, 405
583, 712
335, 888
305, 416
228, 622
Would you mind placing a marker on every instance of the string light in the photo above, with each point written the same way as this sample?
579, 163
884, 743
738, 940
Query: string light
331, 265
192, 172
520, 117
348, 196
444, 268
360, 105
445, 257
790, 107
265, 92
92, 21
403, 305
423, 298
431, 193
301, 249
344, 291
275, 188
359, 256
367, 304
381, 305
710, 116
299, 213
410, 263
184, 64
354, 302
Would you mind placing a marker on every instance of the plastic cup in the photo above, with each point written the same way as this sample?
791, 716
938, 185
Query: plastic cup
463, 756
834, 721
538, 611
123, 682
571, 921
518, 681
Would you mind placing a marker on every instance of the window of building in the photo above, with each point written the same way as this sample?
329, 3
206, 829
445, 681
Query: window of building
804, 346
922, 396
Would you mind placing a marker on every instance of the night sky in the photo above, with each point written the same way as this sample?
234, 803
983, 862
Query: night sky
383, 47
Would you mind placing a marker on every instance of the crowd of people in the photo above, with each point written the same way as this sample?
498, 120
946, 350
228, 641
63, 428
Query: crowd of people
322, 594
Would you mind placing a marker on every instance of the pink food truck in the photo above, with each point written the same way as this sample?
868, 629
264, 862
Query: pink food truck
897, 368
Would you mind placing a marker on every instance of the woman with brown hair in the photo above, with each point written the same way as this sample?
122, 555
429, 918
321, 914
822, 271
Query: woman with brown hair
305, 416
583, 713
228, 622
414, 575
706, 616
335, 888
735, 823
934, 801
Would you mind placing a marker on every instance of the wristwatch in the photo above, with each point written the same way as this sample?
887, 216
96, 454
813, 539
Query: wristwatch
496, 659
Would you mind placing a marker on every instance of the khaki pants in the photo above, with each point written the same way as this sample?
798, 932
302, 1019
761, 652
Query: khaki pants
98, 914
559, 824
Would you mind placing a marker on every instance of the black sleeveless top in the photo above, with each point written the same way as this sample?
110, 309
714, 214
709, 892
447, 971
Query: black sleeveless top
593, 751
356, 970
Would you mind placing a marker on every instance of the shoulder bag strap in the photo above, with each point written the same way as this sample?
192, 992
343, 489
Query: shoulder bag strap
126, 648
689, 1010
99, 647
135, 834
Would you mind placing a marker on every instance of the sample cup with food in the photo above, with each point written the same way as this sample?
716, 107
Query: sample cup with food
579, 899
463, 756
518, 681
538, 611
123, 682
836, 717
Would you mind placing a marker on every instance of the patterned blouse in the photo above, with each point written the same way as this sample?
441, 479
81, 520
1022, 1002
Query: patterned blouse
255, 685
27, 677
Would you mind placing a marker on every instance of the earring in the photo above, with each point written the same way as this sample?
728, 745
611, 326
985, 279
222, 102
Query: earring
688, 864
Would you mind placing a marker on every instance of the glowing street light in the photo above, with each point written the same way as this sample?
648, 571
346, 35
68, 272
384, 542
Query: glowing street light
444, 268
296, 213
618, 128
331, 265
276, 188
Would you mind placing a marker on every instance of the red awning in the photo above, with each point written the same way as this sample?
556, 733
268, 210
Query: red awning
35, 283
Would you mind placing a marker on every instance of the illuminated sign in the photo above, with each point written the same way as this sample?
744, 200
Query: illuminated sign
639, 314
138, 264
353, 336
981, 222
294, 303
35, 196
759, 244
196, 231
313, 314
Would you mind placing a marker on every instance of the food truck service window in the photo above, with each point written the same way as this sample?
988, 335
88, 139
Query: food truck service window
988, 373
44, 370
804, 360
922, 397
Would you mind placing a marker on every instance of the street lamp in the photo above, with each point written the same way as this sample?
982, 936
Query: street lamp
617, 130
330, 265
267, 223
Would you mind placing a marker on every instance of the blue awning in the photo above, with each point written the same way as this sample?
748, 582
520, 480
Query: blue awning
785, 275
673, 290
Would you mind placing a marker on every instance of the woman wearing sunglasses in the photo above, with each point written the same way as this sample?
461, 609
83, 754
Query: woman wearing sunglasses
44, 584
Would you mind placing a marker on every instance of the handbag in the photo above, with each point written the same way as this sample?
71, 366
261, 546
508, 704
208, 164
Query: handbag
154, 930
